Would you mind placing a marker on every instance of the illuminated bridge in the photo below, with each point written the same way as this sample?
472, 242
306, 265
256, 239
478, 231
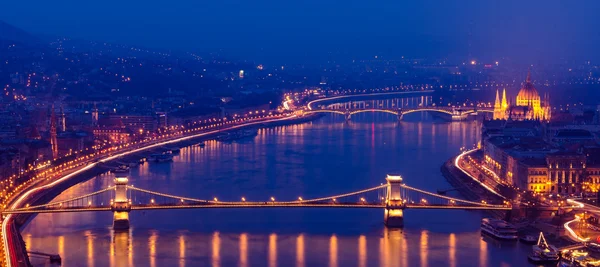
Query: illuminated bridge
394, 197
397, 107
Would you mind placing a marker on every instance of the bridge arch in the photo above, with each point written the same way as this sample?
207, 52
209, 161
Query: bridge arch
374, 110
427, 110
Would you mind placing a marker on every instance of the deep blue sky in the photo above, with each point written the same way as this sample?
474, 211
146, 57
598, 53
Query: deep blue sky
310, 29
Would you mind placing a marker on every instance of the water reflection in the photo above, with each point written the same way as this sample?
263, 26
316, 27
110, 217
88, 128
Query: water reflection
272, 250
90, 248
452, 250
300, 251
181, 251
216, 247
362, 251
424, 248
333, 251
482, 252
152, 247
243, 250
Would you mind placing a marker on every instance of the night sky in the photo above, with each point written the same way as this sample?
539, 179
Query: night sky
319, 30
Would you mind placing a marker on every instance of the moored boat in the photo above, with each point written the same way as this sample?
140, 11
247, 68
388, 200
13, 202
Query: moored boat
543, 252
163, 157
499, 229
231, 136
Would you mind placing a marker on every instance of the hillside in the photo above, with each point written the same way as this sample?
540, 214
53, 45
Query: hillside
11, 33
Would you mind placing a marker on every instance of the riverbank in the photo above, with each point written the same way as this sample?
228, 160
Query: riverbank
476, 192
46, 195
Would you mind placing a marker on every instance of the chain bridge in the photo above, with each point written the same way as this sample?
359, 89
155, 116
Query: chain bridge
393, 197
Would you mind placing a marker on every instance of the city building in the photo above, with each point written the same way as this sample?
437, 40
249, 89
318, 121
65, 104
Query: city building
528, 105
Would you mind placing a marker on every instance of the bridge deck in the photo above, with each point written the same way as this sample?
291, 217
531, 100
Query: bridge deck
253, 205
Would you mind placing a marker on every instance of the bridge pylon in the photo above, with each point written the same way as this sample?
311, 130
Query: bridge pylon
121, 205
394, 204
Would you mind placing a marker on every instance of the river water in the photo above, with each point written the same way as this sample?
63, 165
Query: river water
319, 158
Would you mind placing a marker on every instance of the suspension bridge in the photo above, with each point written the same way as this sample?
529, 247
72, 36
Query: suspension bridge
398, 107
393, 197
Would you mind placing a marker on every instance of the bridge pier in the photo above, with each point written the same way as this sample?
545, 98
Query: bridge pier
121, 204
347, 115
394, 204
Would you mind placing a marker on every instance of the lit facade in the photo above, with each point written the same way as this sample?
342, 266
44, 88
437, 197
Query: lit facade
528, 105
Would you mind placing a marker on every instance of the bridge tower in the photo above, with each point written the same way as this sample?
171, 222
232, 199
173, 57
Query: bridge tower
394, 204
121, 205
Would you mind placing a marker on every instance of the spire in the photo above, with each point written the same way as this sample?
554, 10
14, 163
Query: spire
53, 139
504, 104
528, 80
497, 103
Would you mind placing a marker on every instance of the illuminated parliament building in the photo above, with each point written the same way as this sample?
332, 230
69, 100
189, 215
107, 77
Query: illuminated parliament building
529, 105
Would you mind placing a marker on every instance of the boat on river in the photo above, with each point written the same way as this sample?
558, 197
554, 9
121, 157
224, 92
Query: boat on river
543, 252
232, 136
499, 229
161, 157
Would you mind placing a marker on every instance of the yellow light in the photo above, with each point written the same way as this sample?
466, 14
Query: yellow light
216, 199
300, 198
152, 201
272, 199
243, 199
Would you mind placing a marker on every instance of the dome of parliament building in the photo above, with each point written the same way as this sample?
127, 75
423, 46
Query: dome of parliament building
528, 95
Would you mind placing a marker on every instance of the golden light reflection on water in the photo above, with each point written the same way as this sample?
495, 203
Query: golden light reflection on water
111, 249
152, 248
61, 245
181, 250
404, 251
452, 250
384, 256
482, 252
90, 248
130, 247
309, 250
424, 248
395, 246
333, 251
216, 247
272, 250
362, 251
300, 251
243, 250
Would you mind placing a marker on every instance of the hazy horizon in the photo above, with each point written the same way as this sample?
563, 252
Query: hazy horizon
317, 31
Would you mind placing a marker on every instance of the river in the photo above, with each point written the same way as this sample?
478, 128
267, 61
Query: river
319, 158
